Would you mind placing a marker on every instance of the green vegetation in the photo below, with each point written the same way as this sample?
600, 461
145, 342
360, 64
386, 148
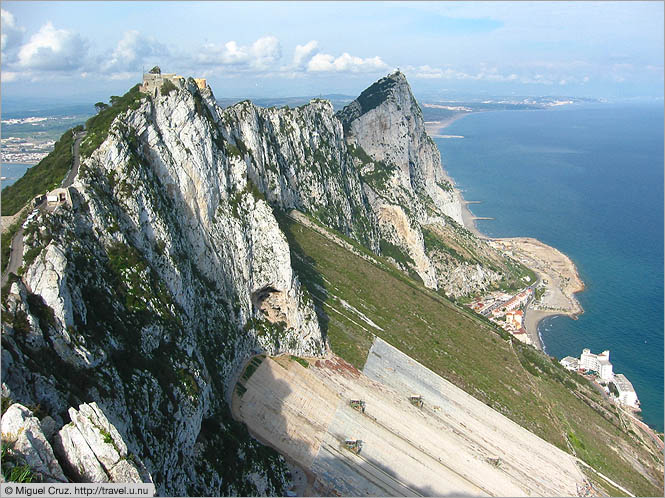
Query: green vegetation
601, 484
6, 402
106, 435
302, 361
13, 468
21, 324
526, 385
138, 285
240, 389
379, 176
41, 178
391, 250
613, 389
446, 185
167, 87
454, 241
380, 172
98, 126
375, 95
359, 153
433, 242
253, 364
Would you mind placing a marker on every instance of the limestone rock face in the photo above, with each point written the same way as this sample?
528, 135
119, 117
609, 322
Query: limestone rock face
23, 433
92, 450
168, 271
403, 172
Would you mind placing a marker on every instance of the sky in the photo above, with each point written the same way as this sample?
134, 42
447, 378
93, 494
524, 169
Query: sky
85, 51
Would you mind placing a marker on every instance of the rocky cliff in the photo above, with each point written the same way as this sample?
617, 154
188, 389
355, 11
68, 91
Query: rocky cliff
418, 211
169, 269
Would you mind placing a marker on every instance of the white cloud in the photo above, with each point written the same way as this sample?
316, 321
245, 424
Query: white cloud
131, 52
259, 55
7, 76
303, 53
345, 63
52, 49
11, 35
265, 51
429, 72
484, 73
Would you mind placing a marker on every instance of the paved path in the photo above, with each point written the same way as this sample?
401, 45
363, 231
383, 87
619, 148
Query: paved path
15, 256
69, 179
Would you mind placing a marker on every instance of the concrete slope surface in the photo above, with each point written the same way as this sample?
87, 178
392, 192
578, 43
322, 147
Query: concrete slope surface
454, 444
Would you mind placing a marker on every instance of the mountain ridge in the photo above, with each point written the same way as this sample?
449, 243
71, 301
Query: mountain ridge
170, 268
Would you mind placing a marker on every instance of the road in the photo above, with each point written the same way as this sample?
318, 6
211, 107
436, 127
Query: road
646, 429
15, 256
69, 179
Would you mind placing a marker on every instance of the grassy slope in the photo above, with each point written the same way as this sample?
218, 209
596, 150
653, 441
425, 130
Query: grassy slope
516, 380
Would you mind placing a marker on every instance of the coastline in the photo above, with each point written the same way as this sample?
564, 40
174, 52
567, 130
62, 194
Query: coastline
553, 268
558, 275
434, 129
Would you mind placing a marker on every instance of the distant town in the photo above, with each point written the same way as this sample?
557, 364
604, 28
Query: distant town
25, 151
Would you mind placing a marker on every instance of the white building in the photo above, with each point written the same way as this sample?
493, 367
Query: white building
518, 300
570, 363
627, 394
597, 362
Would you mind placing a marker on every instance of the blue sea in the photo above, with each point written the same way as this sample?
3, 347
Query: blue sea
587, 180
12, 172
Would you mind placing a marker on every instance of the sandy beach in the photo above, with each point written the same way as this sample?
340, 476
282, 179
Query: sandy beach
531, 320
469, 218
558, 274
434, 127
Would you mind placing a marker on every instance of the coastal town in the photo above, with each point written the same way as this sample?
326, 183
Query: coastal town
25, 151
507, 310
553, 292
